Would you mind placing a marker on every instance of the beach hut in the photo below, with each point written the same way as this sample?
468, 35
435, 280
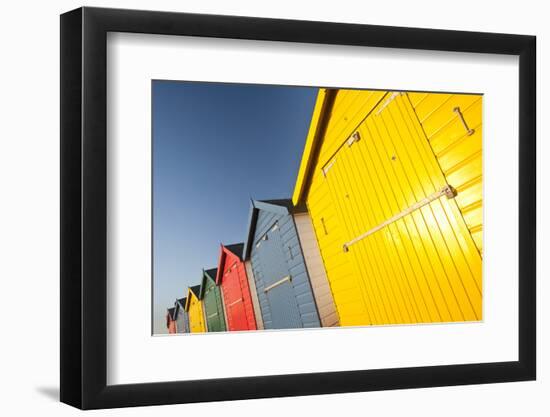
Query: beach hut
281, 271
393, 185
170, 321
194, 310
212, 301
234, 283
180, 315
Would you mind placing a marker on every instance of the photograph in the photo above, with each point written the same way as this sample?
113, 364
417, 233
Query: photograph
247, 208
282, 207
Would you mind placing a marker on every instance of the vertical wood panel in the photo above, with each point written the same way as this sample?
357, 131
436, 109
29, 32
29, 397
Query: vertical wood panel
424, 267
196, 316
254, 295
316, 271
213, 309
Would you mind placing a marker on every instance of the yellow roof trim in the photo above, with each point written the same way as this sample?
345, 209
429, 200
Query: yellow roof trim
312, 141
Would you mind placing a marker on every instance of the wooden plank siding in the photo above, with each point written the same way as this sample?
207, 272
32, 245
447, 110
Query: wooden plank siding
212, 303
234, 284
182, 320
254, 295
197, 323
379, 153
316, 270
459, 155
170, 322
300, 284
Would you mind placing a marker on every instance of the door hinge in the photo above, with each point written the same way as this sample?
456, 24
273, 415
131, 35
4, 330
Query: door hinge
328, 166
392, 97
356, 137
446, 191
235, 302
276, 284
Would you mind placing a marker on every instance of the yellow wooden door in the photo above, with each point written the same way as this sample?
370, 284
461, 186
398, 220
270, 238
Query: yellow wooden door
349, 109
421, 267
196, 319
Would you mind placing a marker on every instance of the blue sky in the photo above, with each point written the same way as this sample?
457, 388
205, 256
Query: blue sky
214, 147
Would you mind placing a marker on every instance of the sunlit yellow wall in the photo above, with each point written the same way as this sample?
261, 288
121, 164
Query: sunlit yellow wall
458, 154
196, 318
425, 267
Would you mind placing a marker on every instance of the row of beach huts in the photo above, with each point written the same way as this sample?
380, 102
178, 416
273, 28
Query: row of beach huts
384, 225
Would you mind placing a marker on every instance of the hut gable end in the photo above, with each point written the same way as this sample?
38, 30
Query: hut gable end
274, 220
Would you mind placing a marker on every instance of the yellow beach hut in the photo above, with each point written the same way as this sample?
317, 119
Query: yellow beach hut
193, 307
393, 184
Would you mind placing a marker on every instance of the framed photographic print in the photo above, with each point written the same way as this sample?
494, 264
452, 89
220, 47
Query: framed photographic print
257, 208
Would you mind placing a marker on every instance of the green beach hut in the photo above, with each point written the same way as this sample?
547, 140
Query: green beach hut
212, 302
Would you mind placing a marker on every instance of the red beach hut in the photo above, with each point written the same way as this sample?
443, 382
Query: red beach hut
233, 281
170, 320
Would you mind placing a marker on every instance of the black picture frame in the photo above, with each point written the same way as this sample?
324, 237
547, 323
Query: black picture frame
84, 207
